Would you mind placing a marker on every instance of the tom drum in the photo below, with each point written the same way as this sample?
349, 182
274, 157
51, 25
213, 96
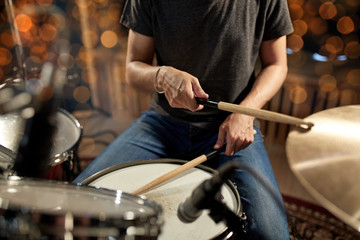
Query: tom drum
66, 140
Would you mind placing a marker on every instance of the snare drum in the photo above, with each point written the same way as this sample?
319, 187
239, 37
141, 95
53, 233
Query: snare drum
130, 176
41, 209
66, 141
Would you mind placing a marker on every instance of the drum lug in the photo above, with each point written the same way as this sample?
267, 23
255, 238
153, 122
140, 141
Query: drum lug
243, 216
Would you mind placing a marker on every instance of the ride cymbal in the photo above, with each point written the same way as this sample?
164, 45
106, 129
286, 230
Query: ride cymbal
326, 160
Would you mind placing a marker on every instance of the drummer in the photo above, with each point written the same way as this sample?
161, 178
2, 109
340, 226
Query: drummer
206, 49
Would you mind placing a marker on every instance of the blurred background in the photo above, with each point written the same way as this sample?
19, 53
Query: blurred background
323, 59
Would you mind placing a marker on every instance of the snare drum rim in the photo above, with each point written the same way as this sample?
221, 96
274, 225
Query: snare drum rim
105, 171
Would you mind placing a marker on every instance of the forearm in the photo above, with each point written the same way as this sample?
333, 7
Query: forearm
272, 76
267, 84
141, 75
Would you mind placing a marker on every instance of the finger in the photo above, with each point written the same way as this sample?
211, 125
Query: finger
229, 148
198, 91
221, 139
249, 138
199, 107
240, 144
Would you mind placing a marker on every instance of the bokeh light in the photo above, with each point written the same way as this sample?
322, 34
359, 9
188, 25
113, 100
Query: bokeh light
39, 50
23, 22
349, 96
327, 10
295, 43
5, 57
298, 95
345, 25
81, 94
352, 49
109, 39
334, 44
6, 39
318, 26
327, 83
300, 27
92, 38
296, 11
353, 77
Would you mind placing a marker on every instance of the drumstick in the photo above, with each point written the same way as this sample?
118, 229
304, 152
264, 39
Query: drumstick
258, 113
181, 169
178, 170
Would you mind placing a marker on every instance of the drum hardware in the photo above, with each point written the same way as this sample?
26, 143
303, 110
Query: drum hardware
167, 176
207, 196
21, 66
258, 113
326, 160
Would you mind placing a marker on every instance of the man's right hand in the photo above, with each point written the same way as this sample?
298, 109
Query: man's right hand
180, 88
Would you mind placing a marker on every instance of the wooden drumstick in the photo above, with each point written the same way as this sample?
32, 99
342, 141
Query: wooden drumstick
178, 170
258, 113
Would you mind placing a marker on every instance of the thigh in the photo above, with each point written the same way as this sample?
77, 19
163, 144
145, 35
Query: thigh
144, 139
259, 192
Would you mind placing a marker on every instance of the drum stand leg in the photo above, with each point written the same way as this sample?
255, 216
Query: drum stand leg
219, 211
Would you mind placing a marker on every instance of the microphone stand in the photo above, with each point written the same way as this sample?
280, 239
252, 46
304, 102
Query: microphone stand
208, 196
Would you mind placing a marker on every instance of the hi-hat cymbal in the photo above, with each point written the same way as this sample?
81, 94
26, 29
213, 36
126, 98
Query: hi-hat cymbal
326, 160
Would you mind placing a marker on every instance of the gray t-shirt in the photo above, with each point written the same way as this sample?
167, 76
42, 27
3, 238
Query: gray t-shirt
217, 41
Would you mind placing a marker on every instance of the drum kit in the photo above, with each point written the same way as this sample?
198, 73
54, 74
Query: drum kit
322, 149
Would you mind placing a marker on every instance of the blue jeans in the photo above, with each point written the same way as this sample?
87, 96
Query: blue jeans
153, 136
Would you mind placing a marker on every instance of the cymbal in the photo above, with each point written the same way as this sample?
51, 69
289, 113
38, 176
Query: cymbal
326, 160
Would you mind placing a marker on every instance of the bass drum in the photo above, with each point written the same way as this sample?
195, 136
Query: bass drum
63, 152
41, 209
130, 176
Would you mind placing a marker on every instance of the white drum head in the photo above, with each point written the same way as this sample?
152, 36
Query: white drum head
169, 195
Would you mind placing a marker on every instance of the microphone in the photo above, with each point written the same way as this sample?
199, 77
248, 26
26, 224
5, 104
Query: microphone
205, 194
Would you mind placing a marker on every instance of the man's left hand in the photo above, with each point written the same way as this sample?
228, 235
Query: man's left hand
237, 131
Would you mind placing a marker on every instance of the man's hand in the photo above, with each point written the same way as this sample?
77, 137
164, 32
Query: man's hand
238, 132
180, 88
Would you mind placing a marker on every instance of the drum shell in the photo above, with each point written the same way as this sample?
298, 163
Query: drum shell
92, 181
24, 221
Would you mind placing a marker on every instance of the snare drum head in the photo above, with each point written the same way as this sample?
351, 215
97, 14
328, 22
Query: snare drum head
54, 199
129, 177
